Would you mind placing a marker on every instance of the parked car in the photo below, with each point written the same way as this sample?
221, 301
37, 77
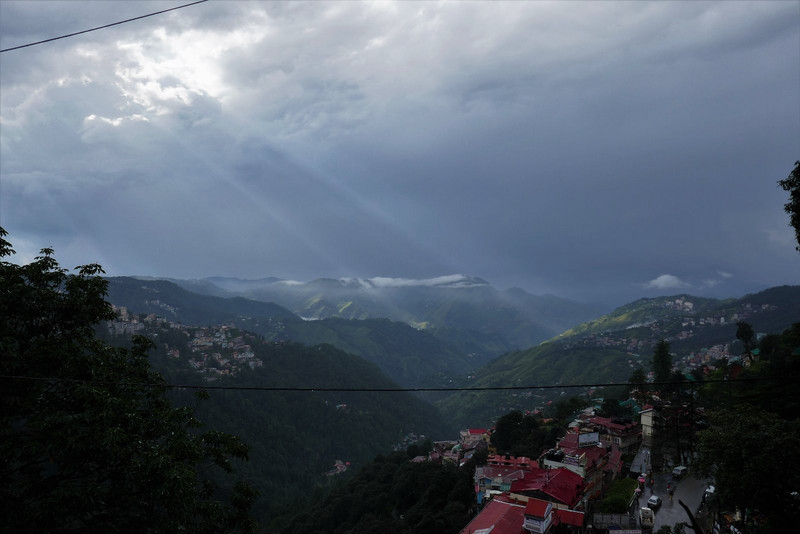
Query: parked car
679, 471
654, 501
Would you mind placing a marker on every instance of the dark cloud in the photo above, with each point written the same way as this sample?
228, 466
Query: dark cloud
603, 151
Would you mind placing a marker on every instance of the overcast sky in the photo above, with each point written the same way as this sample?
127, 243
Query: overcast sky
602, 151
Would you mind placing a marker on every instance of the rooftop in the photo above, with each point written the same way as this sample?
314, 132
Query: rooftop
560, 485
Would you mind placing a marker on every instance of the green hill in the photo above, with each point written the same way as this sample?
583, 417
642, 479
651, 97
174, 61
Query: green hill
549, 364
411, 357
453, 303
294, 436
770, 310
609, 348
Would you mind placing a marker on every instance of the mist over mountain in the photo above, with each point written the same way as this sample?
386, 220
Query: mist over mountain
454, 302
411, 356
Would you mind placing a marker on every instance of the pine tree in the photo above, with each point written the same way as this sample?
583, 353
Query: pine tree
662, 363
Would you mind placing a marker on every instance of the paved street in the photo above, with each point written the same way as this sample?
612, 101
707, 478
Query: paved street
689, 490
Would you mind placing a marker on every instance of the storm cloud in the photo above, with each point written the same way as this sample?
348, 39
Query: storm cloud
597, 150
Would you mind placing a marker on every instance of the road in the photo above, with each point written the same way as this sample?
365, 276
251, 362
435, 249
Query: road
688, 489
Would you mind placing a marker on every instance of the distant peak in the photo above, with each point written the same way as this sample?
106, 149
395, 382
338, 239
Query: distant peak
450, 281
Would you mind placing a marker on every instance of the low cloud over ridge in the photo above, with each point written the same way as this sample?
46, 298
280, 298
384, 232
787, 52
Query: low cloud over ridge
666, 281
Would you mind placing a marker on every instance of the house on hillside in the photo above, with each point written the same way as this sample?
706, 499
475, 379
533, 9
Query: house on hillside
623, 433
538, 516
501, 515
507, 515
561, 486
648, 421
582, 454
519, 462
471, 436
491, 479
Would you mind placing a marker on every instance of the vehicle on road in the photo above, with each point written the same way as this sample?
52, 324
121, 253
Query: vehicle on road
679, 471
647, 518
654, 501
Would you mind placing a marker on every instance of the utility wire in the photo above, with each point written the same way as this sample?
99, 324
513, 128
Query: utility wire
371, 390
101, 27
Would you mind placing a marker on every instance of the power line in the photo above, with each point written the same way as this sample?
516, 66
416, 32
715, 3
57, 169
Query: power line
101, 27
372, 390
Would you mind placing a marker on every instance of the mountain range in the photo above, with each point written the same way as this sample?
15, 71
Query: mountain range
459, 331
457, 336
455, 302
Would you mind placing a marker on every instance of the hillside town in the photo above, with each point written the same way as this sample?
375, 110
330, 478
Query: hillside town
565, 484
676, 316
214, 351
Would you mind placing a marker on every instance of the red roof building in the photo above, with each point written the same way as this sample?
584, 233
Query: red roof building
501, 515
570, 517
506, 515
538, 516
519, 462
560, 486
580, 453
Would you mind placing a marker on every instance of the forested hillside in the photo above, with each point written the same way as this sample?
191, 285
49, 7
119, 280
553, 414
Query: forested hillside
294, 437
392, 494
411, 357
456, 303
168, 300
610, 348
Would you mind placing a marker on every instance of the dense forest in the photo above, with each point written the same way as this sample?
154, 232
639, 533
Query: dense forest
296, 436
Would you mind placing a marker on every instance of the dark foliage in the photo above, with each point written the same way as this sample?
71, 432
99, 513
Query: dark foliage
296, 436
394, 495
84, 445
742, 451
792, 185
661, 364
752, 429
522, 435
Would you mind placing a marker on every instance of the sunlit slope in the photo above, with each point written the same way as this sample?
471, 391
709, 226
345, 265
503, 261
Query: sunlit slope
608, 349
770, 310
549, 364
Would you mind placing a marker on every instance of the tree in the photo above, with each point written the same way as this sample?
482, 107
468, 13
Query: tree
792, 185
662, 363
88, 440
618, 496
612, 408
637, 382
566, 408
745, 334
743, 451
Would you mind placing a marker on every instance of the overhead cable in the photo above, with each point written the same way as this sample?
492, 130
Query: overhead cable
101, 27
311, 389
